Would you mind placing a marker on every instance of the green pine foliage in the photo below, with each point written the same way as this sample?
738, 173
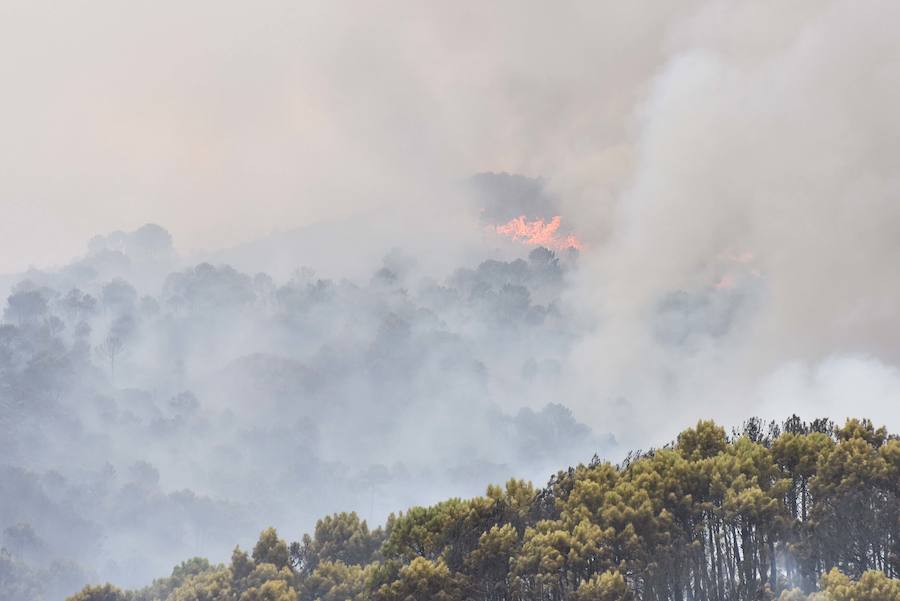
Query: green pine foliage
789, 512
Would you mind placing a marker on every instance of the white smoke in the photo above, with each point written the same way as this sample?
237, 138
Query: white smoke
774, 141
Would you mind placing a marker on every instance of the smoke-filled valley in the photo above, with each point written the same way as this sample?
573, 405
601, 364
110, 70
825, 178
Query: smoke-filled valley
171, 413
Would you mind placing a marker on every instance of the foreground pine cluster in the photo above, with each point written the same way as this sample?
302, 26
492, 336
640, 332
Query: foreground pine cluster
790, 511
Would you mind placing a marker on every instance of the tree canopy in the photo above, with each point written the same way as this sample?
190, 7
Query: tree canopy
791, 512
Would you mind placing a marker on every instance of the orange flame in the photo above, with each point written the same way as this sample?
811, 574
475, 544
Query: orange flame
538, 233
729, 280
725, 282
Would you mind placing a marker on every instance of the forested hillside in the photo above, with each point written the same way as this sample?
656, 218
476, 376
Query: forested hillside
787, 511
140, 394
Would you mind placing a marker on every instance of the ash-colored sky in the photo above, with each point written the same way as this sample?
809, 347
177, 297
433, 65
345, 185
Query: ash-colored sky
225, 120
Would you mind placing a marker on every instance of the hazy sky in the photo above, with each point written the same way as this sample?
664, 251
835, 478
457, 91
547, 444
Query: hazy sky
224, 120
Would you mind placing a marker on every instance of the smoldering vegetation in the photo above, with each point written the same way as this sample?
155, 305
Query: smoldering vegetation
153, 408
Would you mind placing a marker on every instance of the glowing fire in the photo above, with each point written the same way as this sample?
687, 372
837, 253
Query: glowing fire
538, 233
729, 280
725, 282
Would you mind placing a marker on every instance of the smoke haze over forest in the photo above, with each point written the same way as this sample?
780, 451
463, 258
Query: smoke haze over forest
263, 262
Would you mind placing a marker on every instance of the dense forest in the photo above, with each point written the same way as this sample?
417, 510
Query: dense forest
788, 511
155, 406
